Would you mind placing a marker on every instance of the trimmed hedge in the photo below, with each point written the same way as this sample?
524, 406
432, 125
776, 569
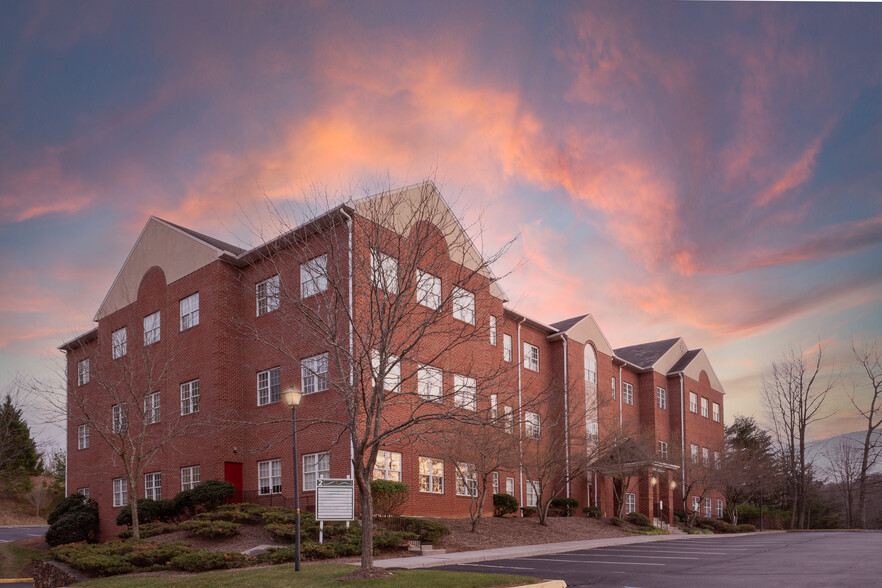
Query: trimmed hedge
388, 497
528, 511
504, 504
745, 529
75, 519
149, 511
639, 519
210, 529
150, 530
593, 511
564, 506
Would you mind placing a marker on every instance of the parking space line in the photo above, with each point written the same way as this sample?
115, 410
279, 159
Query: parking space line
481, 565
696, 552
625, 563
539, 557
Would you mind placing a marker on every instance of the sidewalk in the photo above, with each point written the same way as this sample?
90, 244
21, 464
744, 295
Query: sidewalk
463, 557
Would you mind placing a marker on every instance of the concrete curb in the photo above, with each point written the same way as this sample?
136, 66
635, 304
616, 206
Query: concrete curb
463, 557
546, 584
21, 580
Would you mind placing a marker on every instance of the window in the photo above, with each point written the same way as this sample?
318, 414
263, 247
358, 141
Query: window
719, 509
693, 402
532, 425
694, 449
506, 348
494, 407
268, 386
613, 387
704, 407
118, 343
590, 365
663, 449
662, 397
429, 382
84, 492
189, 477
627, 393
717, 463
83, 437
428, 291
314, 276
190, 311
267, 296
509, 419
465, 392
83, 373
151, 328
593, 434
463, 305
151, 408
492, 330
630, 502
388, 466
392, 379
705, 457
384, 272
531, 357
190, 397
532, 493
708, 507
316, 466
314, 373
696, 504
495, 482
466, 480
153, 486
431, 475
120, 418
269, 476
509, 486
120, 492
716, 412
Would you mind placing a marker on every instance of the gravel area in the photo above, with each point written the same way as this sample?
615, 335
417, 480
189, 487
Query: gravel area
249, 536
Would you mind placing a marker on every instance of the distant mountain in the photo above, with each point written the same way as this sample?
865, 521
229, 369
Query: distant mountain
817, 451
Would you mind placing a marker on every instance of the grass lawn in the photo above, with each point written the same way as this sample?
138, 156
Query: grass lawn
314, 575
14, 557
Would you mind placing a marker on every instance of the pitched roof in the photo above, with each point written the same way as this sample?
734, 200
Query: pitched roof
684, 361
645, 355
567, 323
217, 243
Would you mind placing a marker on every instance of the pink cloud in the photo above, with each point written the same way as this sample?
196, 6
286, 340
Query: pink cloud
43, 189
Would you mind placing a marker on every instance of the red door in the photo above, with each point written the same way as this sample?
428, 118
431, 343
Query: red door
233, 475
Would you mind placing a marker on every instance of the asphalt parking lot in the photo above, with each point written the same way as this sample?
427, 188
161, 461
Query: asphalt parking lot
784, 559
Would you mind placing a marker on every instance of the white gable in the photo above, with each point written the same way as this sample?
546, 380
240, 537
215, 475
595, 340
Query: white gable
670, 357
588, 330
701, 362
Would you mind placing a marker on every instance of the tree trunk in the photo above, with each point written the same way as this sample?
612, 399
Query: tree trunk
133, 502
367, 521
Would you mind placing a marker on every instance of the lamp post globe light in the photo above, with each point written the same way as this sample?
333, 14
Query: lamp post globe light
292, 397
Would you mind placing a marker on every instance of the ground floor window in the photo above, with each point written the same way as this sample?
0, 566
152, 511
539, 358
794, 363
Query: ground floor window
431, 475
708, 507
153, 486
630, 502
120, 492
509, 486
189, 477
696, 504
388, 466
315, 466
466, 480
719, 509
84, 492
532, 493
269, 476
495, 482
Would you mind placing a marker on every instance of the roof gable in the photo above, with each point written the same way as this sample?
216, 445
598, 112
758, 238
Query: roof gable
177, 251
692, 367
646, 355
583, 329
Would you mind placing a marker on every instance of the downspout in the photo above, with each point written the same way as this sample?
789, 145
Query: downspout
566, 414
620, 398
520, 417
682, 441
351, 341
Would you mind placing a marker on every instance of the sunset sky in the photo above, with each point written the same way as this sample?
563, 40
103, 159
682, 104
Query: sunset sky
705, 170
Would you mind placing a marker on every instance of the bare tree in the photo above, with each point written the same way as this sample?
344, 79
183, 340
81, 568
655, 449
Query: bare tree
703, 473
391, 298
794, 393
624, 454
868, 402
843, 471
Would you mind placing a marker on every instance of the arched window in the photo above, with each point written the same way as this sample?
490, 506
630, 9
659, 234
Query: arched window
590, 365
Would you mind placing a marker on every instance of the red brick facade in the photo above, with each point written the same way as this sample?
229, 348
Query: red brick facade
226, 364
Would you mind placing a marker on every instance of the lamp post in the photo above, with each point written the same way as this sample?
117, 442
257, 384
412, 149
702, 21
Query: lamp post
293, 396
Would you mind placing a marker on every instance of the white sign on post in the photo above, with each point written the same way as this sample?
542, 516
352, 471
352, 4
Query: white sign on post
334, 501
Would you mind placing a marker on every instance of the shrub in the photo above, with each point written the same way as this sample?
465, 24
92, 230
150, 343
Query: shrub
593, 511
103, 564
504, 504
715, 525
745, 528
314, 550
149, 511
428, 531
78, 521
150, 555
565, 506
210, 529
528, 511
150, 530
65, 505
207, 496
201, 561
386, 540
639, 519
388, 497
616, 521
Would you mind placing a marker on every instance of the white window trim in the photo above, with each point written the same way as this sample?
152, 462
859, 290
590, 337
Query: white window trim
190, 481
506, 348
716, 412
708, 507
704, 408
314, 276
509, 486
388, 471
120, 418
270, 470
392, 378
531, 357
83, 436
267, 292
663, 448
661, 398
118, 343
493, 330
190, 397
494, 406
265, 386
431, 476
509, 419
696, 504
83, 372
430, 383
428, 290
630, 502
694, 452
465, 392
153, 486
463, 305
384, 271
628, 393
466, 480
152, 328
719, 508
495, 481
189, 308
312, 380
152, 408
532, 425
120, 492
532, 494
705, 457
311, 465
693, 402
85, 492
